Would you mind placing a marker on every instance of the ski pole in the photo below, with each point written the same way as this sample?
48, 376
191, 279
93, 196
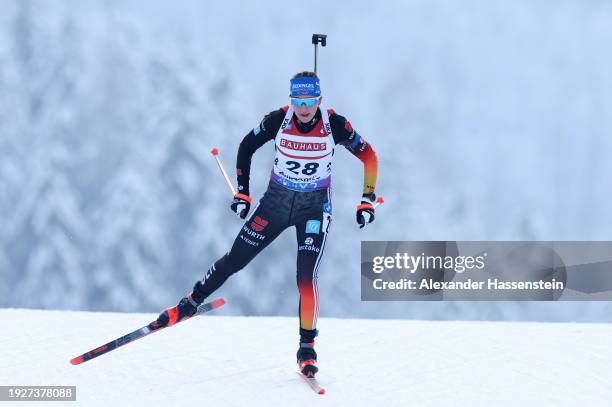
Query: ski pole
316, 39
379, 201
215, 153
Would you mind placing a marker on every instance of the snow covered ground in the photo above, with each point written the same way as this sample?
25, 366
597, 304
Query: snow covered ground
239, 361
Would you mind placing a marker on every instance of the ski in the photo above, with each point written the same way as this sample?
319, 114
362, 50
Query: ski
313, 383
140, 333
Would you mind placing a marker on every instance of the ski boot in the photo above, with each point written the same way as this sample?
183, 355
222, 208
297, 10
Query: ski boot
186, 308
307, 359
306, 355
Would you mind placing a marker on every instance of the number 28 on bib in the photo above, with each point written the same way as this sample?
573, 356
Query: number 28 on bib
303, 161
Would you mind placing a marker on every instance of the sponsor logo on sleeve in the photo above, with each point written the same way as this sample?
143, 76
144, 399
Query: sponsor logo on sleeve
285, 123
348, 127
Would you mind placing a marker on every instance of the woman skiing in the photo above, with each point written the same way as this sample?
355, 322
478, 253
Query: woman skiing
298, 195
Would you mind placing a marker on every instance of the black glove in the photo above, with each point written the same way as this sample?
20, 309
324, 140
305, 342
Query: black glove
365, 211
241, 204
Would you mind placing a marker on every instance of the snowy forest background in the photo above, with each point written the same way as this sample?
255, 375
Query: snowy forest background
491, 120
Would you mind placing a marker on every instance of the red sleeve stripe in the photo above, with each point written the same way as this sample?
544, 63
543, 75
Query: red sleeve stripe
370, 167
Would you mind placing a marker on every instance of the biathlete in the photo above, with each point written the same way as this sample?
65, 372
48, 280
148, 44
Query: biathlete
299, 194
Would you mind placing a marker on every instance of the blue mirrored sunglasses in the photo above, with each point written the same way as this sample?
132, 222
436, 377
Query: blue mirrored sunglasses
309, 102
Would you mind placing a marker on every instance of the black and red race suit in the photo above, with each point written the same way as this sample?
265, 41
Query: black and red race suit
298, 195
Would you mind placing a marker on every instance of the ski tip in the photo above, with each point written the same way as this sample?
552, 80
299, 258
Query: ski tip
76, 361
214, 151
312, 383
217, 303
